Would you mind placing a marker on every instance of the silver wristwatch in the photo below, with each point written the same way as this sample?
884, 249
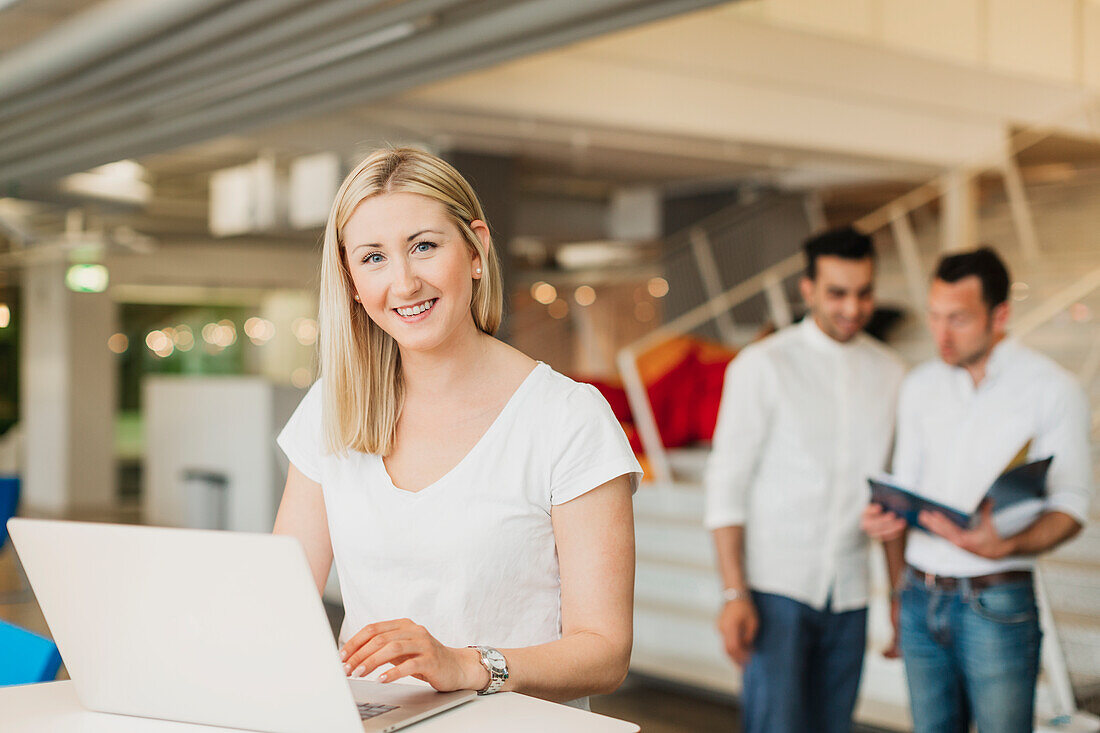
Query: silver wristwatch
494, 661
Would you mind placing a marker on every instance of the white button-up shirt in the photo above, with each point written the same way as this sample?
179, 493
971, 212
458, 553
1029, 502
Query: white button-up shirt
804, 420
955, 439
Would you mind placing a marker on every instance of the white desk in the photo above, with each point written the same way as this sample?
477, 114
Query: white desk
53, 708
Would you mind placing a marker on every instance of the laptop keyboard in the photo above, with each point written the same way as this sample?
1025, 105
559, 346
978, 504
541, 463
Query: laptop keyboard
369, 710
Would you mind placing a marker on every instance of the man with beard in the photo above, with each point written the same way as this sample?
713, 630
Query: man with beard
968, 622
806, 415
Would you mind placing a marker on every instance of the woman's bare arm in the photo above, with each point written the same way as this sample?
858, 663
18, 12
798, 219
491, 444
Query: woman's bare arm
302, 515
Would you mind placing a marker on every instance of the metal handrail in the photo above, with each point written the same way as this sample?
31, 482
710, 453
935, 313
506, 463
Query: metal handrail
1055, 304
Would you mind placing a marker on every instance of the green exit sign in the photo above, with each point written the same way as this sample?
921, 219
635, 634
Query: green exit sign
86, 278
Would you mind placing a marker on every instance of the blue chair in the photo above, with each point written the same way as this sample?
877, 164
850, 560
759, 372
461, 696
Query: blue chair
9, 502
27, 657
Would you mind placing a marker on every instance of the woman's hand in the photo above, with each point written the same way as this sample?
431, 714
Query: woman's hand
413, 652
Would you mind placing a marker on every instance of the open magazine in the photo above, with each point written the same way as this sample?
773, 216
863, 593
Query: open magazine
1018, 497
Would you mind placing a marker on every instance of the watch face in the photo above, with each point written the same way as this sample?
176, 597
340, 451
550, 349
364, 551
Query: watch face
496, 661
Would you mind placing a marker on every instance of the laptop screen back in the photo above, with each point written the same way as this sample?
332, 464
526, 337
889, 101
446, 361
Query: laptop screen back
190, 625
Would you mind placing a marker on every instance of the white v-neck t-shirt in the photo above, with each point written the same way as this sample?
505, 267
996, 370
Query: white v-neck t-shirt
471, 557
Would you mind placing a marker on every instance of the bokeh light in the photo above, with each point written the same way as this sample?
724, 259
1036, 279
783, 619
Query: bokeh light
1080, 313
584, 295
259, 330
118, 343
544, 293
159, 343
184, 338
657, 287
305, 331
301, 378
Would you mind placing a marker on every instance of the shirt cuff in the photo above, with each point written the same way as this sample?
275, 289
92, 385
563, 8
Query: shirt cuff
726, 518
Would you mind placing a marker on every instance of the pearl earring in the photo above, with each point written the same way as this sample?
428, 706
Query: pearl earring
478, 271
356, 298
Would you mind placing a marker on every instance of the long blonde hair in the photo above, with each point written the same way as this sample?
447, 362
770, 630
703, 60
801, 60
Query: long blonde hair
363, 389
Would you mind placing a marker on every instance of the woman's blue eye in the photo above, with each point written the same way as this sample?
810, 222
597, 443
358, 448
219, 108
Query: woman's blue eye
424, 246
371, 258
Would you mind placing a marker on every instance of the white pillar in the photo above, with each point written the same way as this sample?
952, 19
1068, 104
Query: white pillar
959, 210
67, 394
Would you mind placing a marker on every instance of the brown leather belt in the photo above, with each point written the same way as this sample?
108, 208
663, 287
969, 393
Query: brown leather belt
978, 582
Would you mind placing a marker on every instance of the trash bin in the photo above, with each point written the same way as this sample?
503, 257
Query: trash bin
207, 498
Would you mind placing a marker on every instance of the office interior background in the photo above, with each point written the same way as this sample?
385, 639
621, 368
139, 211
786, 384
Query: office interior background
650, 169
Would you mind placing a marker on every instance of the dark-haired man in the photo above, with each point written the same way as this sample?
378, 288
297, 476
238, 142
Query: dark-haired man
969, 626
806, 415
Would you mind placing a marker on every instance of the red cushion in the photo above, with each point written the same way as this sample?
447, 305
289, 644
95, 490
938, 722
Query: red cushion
685, 388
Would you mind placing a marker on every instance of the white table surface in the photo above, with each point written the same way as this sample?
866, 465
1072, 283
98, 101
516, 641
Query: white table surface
53, 708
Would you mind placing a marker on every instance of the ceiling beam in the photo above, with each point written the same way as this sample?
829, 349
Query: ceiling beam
502, 33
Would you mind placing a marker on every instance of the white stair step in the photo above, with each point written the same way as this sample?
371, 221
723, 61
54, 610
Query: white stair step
681, 502
1084, 548
1080, 637
687, 544
1073, 588
664, 632
688, 590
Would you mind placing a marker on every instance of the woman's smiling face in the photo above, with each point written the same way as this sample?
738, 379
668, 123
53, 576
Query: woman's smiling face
412, 268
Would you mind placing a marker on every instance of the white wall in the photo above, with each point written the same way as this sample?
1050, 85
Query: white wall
226, 425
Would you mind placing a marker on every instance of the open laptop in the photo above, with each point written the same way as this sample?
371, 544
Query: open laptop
219, 628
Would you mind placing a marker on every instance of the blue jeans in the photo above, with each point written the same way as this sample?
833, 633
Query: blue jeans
804, 671
970, 656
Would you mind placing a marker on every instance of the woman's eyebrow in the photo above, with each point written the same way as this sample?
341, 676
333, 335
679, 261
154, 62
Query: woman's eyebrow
422, 231
410, 238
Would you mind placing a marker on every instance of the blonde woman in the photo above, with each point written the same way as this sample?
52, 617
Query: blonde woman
477, 503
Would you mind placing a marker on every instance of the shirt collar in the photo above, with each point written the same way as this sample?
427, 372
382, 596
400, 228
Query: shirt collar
999, 359
820, 339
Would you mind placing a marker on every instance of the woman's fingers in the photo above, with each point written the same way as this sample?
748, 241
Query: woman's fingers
402, 643
368, 632
372, 646
409, 667
390, 653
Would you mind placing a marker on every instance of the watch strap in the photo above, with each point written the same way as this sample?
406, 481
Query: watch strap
496, 665
735, 594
